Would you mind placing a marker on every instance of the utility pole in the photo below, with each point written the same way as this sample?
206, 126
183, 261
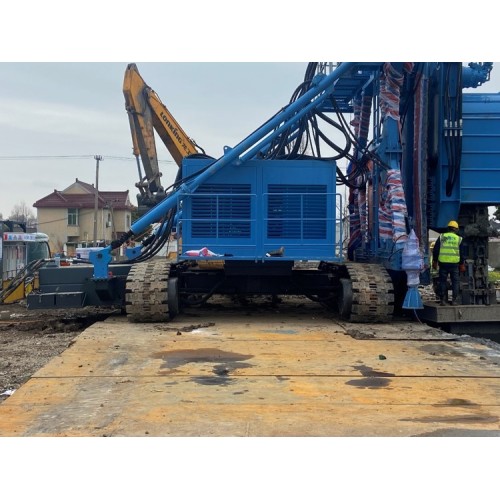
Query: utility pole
97, 158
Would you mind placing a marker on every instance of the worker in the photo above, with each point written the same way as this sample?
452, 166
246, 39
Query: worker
448, 254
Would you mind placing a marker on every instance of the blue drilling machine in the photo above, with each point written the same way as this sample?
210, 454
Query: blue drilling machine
269, 217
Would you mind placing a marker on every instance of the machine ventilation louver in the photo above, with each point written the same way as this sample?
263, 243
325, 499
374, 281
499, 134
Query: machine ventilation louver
297, 211
222, 211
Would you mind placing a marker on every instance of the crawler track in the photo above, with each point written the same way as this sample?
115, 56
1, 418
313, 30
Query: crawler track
146, 294
372, 293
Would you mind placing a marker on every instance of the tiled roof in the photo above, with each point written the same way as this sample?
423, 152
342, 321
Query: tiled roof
118, 200
89, 187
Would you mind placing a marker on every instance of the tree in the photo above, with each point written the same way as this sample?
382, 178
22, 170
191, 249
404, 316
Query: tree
22, 213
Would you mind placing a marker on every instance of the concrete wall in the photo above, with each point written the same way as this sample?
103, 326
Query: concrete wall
54, 223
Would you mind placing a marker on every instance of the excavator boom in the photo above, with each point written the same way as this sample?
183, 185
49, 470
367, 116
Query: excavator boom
148, 114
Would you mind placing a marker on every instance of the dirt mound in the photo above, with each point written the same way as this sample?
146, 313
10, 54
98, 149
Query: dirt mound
29, 339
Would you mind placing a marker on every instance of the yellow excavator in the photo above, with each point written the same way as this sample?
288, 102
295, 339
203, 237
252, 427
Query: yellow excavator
148, 114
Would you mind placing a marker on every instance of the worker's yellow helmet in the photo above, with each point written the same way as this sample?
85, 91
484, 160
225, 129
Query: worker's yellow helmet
452, 223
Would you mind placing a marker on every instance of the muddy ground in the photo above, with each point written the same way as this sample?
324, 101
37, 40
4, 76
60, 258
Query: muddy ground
29, 339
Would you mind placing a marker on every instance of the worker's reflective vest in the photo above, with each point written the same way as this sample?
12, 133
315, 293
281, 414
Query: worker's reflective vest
449, 250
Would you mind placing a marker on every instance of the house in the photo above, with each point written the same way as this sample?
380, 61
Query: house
68, 217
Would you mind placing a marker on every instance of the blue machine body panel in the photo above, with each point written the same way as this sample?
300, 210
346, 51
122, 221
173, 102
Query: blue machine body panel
478, 181
248, 211
480, 167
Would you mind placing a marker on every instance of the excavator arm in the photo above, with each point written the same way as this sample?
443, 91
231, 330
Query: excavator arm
148, 114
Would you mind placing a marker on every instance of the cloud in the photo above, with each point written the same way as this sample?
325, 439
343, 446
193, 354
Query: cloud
41, 117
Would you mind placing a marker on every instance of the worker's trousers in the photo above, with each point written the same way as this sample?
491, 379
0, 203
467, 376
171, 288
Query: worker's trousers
446, 269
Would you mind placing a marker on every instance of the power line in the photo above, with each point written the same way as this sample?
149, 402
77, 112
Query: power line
72, 157
45, 157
